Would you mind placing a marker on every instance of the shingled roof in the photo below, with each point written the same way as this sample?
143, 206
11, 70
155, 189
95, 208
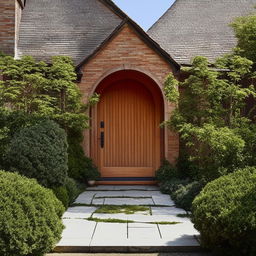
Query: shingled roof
75, 28
64, 27
199, 27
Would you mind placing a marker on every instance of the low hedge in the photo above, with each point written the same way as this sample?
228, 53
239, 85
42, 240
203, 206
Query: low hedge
225, 213
30, 217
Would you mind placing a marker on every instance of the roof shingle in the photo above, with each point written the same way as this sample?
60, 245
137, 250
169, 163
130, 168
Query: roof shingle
63, 27
199, 27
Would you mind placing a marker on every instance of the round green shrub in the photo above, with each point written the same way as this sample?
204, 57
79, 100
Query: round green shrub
185, 194
62, 194
30, 216
40, 152
225, 213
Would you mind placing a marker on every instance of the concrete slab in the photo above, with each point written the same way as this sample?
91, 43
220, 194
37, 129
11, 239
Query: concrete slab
79, 212
179, 235
96, 201
141, 233
110, 194
101, 187
77, 232
128, 201
110, 234
85, 198
136, 187
167, 211
140, 193
164, 200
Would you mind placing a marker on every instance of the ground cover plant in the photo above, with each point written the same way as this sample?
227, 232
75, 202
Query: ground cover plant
30, 217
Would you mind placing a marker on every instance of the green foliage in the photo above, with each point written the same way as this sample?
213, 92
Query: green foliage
216, 151
44, 90
76, 158
73, 189
40, 151
172, 185
68, 192
30, 217
245, 28
166, 172
224, 213
62, 194
92, 172
248, 134
184, 195
10, 123
80, 167
171, 91
34, 91
210, 114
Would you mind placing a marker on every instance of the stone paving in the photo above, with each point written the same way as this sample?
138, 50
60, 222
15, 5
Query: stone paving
159, 228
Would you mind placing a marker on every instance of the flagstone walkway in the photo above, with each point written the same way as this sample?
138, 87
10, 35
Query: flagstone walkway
159, 227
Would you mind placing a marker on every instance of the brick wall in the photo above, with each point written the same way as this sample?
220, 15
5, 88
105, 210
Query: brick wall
7, 25
127, 51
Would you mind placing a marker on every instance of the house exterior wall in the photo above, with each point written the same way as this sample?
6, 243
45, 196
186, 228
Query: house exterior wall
127, 51
7, 26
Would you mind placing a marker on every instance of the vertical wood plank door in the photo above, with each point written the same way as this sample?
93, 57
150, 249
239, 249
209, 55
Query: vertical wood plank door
128, 132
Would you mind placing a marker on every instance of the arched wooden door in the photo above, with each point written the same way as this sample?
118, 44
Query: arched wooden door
128, 133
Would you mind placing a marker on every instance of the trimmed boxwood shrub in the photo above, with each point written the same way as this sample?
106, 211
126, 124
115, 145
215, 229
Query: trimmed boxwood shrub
225, 213
40, 151
30, 215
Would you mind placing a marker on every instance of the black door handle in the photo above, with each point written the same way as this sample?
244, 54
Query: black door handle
102, 139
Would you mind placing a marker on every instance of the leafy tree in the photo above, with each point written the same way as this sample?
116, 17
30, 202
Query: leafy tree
210, 113
245, 28
44, 90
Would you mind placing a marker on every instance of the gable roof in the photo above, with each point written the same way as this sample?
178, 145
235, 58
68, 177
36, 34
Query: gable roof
199, 27
77, 28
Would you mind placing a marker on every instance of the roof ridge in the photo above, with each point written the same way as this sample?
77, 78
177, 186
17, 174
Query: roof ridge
165, 13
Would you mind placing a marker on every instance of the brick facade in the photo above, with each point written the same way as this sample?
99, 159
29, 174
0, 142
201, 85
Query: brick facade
10, 15
128, 51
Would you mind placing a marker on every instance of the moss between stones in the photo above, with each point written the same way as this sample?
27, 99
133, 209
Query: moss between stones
127, 209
